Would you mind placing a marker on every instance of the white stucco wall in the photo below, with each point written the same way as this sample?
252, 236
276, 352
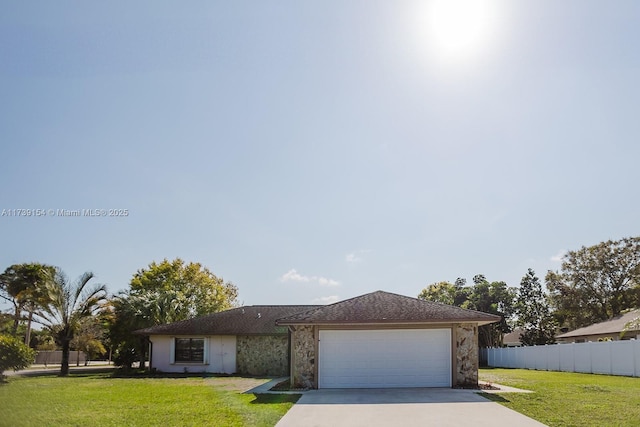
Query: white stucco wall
220, 354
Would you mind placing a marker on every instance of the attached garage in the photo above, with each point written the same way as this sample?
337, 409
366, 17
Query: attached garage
385, 340
384, 358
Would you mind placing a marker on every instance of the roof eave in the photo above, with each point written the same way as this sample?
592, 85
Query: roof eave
199, 333
593, 334
480, 322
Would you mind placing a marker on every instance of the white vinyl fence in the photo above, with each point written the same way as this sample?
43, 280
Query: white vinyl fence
607, 357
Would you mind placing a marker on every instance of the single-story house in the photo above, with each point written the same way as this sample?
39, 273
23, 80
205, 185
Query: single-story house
374, 340
609, 330
242, 340
512, 339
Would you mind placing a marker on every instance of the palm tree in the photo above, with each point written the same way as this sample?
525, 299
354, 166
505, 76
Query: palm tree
70, 303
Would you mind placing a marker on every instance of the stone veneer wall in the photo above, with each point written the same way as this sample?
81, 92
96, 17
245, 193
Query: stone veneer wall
262, 355
303, 348
467, 354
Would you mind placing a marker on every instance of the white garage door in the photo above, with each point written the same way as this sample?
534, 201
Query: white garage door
384, 358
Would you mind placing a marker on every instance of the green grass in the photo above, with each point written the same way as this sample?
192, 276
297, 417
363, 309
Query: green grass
101, 400
569, 399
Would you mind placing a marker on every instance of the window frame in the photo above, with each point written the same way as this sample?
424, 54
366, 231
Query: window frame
192, 350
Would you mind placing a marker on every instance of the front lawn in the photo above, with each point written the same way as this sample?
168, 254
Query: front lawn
97, 399
569, 399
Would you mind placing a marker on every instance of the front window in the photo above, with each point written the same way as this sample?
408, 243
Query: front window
190, 350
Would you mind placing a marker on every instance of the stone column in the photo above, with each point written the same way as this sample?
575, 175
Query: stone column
467, 354
303, 357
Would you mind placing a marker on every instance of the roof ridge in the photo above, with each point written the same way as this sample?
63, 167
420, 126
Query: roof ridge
319, 307
441, 303
372, 306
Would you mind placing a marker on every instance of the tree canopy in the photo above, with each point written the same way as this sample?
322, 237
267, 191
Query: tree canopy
445, 293
596, 283
27, 287
166, 292
172, 290
489, 297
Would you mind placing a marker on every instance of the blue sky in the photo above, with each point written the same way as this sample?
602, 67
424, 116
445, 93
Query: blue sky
314, 151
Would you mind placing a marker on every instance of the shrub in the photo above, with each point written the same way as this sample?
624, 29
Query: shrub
14, 354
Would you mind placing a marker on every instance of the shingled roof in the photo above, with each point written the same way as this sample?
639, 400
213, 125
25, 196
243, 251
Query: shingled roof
386, 307
249, 320
612, 326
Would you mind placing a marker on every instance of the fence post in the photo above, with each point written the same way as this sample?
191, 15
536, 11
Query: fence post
610, 357
636, 368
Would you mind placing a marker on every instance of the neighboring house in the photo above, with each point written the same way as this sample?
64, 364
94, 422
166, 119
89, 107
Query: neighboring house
605, 331
376, 340
512, 339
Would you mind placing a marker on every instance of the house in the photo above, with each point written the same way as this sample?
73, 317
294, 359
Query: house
374, 340
242, 340
610, 330
512, 339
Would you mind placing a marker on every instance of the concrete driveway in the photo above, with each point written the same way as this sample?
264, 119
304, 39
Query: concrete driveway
400, 407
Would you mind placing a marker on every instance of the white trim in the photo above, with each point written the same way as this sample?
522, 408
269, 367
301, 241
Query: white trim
376, 358
205, 355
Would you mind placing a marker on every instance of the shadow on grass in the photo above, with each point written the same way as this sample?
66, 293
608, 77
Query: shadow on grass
144, 374
275, 398
494, 397
77, 372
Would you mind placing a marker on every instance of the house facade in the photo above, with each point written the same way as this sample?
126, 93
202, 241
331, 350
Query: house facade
244, 340
512, 339
375, 340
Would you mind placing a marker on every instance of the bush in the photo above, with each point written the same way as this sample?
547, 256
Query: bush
124, 356
14, 354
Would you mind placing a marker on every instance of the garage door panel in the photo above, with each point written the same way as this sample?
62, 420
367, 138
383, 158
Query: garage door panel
384, 358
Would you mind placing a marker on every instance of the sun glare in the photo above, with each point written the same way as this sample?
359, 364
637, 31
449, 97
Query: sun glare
460, 28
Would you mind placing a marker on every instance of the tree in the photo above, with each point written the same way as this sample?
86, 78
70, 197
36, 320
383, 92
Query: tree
69, 305
495, 298
181, 291
597, 282
88, 338
44, 343
632, 325
6, 324
165, 292
569, 308
126, 348
489, 297
14, 354
446, 293
533, 312
26, 286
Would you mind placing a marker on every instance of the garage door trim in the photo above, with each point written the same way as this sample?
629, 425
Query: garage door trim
385, 357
